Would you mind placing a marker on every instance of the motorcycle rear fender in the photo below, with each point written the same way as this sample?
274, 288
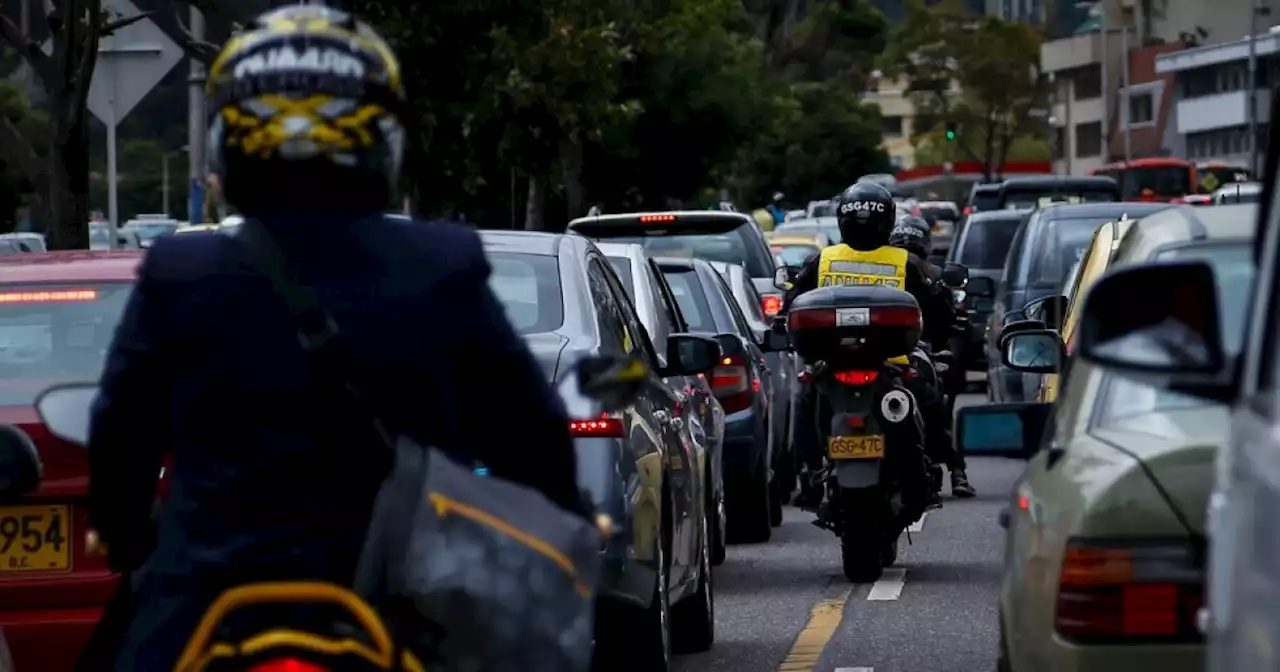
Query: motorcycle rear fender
858, 473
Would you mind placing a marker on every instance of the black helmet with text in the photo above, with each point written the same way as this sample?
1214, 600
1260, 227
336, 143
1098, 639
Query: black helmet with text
865, 213
306, 110
913, 235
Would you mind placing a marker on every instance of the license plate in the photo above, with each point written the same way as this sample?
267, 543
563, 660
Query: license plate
855, 447
35, 538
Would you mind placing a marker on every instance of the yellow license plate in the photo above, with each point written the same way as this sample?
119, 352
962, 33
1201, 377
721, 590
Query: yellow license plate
35, 538
855, 447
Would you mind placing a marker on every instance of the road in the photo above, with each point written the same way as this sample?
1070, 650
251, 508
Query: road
786, 606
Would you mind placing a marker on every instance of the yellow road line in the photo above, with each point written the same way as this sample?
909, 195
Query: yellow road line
823, 621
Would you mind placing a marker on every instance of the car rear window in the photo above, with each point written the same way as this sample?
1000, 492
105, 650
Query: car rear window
987, 240
528, 286
742, 246
944, 213
1029, 199
55, 334
622, 266
985, 200
792, 255
691, 298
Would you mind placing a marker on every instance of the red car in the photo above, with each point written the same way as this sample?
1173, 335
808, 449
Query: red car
58, 314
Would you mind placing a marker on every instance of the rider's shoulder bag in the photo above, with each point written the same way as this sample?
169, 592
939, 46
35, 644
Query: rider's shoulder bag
506, 577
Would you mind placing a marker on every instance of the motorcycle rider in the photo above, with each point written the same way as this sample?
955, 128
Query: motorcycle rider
865, 214
912, 234
274, 475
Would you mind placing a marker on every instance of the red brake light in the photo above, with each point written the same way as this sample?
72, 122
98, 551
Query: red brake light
288, 665
646, 219
1140, 591
968, 210
770, 304
601, 427
895, 317
857, 377
811, 319
733, 384
52, 296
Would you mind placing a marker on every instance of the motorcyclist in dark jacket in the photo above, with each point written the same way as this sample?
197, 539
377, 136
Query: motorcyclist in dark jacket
274, 475
866, 216
913, 235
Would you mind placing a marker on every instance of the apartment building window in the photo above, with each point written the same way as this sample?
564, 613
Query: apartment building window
1089, 139
1199, 82
1141, 109
1218, 142
1231, 78
891, 126
1088, 82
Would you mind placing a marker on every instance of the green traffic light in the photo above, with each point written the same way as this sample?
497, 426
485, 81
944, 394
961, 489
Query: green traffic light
951, 135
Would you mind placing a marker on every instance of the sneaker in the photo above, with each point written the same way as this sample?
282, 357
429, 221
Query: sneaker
960, 486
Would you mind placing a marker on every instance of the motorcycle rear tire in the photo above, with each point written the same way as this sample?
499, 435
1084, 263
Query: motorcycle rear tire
865, 515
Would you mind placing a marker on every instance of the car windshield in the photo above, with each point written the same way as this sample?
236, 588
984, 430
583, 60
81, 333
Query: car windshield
792, 255
1061, 243
622, 266
1030, 198
986, 241
528, 286
691, 299
740, 246
1233, 272
1162, 181
55, 334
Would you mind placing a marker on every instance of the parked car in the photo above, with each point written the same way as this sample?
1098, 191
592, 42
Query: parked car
640, 466
783, 366
58, 315
1104, 564
1044, 248
744, 385
982, 247
660, 315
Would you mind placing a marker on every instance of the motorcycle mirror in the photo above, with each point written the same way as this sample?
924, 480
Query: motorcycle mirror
65, 411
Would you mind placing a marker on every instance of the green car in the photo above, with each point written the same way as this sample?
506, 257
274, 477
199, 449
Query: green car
1105, 556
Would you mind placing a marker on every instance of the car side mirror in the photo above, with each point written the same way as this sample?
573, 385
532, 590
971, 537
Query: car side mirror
784, 276
613, 382
65, 411
20, 466
1171, 339
980, 286
1020, 325
1033, 351
1002, 430
955, 275
1051, 310
1012, 316
691, 354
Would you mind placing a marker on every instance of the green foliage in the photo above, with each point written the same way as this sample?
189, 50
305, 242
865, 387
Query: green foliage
977, 75
14, 185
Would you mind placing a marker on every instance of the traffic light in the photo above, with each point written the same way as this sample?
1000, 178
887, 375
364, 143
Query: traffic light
951, 134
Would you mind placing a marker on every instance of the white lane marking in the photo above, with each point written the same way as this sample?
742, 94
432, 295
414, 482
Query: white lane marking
918, 526
855, 669
890, 585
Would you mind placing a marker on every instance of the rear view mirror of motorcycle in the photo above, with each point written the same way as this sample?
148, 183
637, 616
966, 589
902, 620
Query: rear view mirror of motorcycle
20, 467
613, 382
1001, 430
955, 275
65, 411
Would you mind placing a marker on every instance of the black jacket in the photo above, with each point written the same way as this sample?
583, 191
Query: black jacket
273, 476
934, 299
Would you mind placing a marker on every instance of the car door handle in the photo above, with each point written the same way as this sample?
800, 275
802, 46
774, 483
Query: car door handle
661, 417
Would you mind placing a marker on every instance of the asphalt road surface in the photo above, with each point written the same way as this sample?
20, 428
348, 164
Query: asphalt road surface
785, 606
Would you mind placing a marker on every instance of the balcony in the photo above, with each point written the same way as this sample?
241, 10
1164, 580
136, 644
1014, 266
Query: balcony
1071, 52
1222, 110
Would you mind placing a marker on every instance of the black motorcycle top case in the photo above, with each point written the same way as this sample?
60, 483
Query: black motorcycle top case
850, 342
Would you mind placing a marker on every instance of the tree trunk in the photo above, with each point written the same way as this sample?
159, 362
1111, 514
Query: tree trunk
67, 191
533, 210
571, 162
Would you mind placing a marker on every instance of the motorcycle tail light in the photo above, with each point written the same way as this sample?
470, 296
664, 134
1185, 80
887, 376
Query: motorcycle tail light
732, 383
1129, 591
288, 665
856, 377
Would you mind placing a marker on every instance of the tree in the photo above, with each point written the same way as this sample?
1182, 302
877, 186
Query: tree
60, 175
15, 187
977, 75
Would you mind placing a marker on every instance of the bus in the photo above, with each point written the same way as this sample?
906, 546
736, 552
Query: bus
1169, 178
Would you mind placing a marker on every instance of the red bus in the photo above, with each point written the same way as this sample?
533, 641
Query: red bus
1170, 178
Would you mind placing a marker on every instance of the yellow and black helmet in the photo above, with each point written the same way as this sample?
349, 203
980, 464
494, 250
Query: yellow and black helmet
306, 109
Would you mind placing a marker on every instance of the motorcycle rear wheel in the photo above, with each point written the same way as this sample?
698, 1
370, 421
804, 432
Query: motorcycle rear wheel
865, 513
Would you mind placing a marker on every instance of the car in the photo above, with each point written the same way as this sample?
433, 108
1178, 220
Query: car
660, 315
826, 226
793, 249
941, 217
783, 366
726, 236
150, 227
639, 466
816, 209
1045, 246
1036, 191
100, 238
19, 243
1104, 558
1240, 192
58, 315
982, 246
744, 385
982, 197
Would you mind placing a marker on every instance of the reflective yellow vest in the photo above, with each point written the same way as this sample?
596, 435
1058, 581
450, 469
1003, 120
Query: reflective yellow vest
843, 265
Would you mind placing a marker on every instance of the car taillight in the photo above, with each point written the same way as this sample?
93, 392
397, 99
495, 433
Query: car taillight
856, 377
1125, 591
732, 383
604, 426
813, 318
288, 665
770, 304
968, 211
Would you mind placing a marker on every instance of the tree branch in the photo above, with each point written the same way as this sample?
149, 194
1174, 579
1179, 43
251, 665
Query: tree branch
176, 28
112, 26
15, 149
29, 50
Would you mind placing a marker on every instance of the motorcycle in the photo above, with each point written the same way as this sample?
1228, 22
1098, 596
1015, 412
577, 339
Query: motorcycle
875, 478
